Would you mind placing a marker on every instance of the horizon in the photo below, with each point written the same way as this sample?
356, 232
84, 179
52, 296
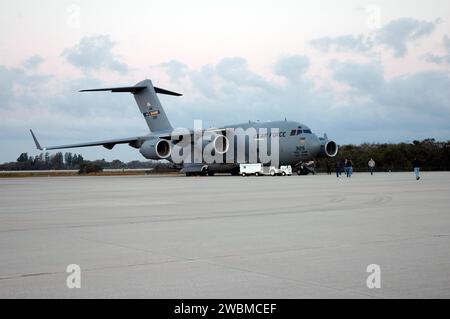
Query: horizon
165, 161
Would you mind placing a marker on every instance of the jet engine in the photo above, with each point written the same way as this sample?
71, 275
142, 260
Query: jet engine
220, 143
328, 148
156, 149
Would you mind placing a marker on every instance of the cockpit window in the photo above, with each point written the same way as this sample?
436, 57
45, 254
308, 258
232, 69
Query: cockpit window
300, 131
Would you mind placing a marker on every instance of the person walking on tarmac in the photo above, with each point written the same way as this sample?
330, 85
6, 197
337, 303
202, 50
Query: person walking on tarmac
337, 168
328, 167
416, 165
371, 165
349, 167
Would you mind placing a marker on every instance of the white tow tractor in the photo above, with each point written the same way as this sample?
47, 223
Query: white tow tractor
282, 171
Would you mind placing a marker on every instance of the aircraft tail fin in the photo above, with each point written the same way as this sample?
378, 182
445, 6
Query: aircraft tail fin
145, 95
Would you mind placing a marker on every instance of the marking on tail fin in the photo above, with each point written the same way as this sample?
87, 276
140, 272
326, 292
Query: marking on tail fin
153, 114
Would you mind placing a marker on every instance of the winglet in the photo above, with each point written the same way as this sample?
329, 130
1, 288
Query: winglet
38, 146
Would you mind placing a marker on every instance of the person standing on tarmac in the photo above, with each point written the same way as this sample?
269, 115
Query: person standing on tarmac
337, 165
341, 166
416, 165
371, 165
328, 167
349, 167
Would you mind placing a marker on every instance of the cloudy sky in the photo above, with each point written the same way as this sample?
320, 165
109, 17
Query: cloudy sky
361, 71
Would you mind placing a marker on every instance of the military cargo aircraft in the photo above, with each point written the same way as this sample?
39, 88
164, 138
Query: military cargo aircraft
296, 143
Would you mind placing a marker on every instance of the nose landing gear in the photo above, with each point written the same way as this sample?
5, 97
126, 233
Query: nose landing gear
305, 168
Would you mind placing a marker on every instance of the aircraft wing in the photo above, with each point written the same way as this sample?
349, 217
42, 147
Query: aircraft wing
109, 144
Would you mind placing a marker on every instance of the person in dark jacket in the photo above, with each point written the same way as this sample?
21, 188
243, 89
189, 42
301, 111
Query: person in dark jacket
349, 167
338, 166
328, 167
416, 165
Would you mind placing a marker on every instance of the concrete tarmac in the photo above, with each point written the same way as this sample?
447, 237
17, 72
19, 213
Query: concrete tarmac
226, 237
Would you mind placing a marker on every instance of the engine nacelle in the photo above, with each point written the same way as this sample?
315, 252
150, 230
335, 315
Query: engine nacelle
220, 143
328, 149
156, 149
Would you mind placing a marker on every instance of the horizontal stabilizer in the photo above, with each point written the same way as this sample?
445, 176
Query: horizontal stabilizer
133, 89
166, 92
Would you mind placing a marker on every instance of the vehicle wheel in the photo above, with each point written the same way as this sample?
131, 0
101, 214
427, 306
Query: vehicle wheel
283, 174
188, 174
299, 172
243, 174
272, 173
256, 174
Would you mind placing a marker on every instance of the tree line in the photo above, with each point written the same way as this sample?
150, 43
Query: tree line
433, 155
58, 161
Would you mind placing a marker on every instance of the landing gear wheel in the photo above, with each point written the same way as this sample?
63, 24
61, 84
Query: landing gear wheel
235, 172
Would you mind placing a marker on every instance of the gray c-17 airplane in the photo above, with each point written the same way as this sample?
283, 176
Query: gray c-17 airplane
297, 143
